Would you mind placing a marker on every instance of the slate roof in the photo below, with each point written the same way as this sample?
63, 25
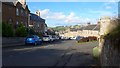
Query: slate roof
88, 27
14, 4
36, 18
73, 29
92, 27
9, 3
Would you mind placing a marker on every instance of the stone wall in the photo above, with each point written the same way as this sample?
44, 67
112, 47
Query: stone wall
109, 42
110, 54
12, 41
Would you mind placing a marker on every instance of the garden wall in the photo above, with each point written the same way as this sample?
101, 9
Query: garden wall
12, 41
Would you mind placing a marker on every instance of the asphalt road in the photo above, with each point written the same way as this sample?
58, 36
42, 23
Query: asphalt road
59, 53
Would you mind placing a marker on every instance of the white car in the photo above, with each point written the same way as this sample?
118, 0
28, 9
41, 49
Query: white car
47, 38
74, 38
57, 38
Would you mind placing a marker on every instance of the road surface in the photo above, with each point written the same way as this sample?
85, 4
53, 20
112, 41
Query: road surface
58, 53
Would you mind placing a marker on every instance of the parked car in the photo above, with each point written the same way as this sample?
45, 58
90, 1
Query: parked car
87, 39
73, 38
92, 38
47, 38
53, 37
57, 37
33, 39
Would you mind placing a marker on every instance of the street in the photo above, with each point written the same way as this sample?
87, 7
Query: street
58, 53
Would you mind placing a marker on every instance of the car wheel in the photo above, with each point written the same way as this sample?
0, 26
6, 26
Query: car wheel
26, 44
35, 43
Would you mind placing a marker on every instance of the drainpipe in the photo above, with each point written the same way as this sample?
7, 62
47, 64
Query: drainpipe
28, 23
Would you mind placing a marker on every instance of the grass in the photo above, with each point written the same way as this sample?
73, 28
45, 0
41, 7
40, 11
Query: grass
85, 42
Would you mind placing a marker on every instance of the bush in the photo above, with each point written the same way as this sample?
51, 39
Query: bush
7, 30
21, 31
96, 52
40, 34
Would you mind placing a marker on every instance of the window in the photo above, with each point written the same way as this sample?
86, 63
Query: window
10, 21
17, 11
21, 22
26, 13
21, 12
17, 22
38, 25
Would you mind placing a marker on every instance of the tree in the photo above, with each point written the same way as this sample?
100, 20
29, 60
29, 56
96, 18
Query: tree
7, 30
31, 32
21, 31
0, 28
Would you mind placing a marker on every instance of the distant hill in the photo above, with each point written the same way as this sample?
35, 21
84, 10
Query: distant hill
63, 28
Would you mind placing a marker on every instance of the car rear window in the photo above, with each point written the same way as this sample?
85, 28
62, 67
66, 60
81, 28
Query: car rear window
46, 36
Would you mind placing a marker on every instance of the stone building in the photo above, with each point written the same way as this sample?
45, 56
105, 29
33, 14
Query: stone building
15, 13
104, 25
85, 31
37, 23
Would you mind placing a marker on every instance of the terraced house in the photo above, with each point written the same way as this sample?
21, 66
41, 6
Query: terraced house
37, 23
85, 31
15, 12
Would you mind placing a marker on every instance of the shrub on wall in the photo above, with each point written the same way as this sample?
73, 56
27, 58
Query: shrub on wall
7, 30
114, 33
21, 31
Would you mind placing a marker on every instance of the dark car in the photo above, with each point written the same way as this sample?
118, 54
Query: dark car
33, 39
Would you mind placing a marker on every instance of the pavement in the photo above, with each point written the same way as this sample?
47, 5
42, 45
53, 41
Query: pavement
59, 53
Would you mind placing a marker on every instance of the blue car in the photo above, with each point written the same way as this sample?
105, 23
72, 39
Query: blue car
33, 39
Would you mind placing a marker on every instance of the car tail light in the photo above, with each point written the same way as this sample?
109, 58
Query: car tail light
33, 38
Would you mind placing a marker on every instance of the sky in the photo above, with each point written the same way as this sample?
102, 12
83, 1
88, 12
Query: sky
73, 13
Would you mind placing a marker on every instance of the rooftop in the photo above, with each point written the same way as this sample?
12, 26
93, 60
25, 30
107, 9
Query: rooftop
88, 27
34, 17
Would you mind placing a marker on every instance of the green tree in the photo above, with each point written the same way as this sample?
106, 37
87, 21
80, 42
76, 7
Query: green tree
31, 32
7, 30
0, 28
21, 31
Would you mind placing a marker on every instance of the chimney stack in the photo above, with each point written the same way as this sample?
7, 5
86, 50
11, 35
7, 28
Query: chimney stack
37, 12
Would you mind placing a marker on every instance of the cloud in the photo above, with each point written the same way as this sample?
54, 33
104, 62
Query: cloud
70, 18
44, 13
110, 5
56, 16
